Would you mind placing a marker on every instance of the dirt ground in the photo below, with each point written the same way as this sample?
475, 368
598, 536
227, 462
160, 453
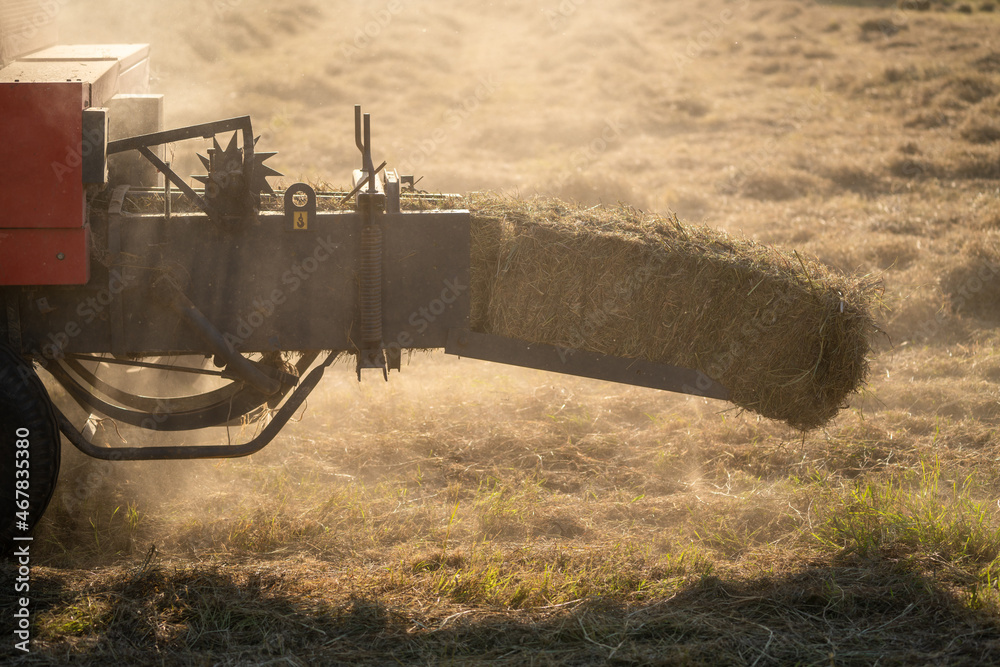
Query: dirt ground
472, 513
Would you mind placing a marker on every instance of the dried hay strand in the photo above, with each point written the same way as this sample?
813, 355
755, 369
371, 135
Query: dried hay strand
787, 336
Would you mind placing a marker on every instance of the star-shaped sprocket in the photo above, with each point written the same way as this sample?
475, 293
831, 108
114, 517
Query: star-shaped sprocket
227, 190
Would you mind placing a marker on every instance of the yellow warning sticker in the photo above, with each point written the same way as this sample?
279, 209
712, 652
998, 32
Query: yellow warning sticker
301, 219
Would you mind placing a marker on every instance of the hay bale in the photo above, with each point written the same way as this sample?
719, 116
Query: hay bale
788, 337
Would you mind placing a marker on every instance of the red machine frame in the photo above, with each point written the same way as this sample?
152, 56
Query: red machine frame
52, 150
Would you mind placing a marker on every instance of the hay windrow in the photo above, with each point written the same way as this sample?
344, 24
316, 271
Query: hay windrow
789, 337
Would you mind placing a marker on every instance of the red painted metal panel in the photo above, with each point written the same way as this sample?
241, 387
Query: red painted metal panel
41, 146
43, 240
32, 256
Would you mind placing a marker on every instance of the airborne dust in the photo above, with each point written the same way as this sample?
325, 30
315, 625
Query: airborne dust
741, 115
864, 136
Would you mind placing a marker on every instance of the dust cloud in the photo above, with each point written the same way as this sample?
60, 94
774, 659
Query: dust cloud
796, 123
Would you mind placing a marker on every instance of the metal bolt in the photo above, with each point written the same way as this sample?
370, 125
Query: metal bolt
60, 256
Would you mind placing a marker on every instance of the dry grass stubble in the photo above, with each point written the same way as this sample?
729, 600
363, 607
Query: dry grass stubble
468, 513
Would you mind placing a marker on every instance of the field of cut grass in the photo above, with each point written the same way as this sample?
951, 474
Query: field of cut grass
465, 512
471, 513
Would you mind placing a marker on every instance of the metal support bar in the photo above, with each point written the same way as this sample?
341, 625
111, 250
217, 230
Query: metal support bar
236, 362
201, 131
115, 308
144, 364
172, 176
357, 130
369, 165
204, 451
365, 179
584, 364
364, 144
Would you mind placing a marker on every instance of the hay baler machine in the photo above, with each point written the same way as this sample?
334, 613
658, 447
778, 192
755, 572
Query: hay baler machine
111, 262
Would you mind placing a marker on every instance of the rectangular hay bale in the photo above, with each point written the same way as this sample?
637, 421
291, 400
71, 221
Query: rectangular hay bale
789, 337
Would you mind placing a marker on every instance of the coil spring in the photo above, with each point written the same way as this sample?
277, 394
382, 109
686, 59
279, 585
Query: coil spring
371, 284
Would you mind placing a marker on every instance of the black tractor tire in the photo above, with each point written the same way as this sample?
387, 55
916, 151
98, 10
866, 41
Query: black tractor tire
29, 449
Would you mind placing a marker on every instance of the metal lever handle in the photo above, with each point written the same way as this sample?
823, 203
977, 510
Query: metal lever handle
357, 129
365, 144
